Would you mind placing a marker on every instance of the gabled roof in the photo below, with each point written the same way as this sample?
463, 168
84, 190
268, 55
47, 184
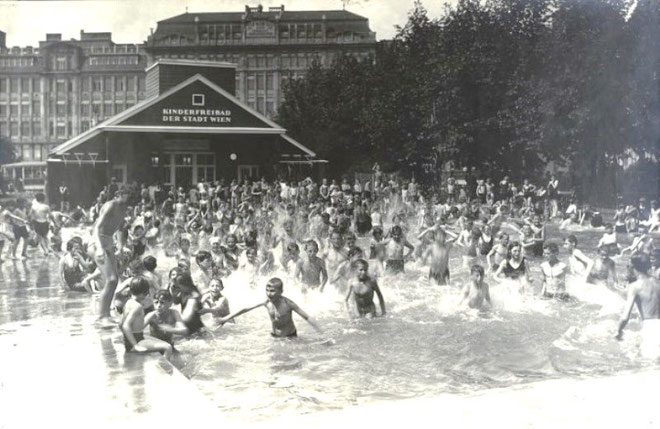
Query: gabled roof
118, 122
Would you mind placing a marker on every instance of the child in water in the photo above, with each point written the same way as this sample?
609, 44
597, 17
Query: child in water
132, 322
213, 301
165, 322
362, 289
280, 309
476, 293
554, 273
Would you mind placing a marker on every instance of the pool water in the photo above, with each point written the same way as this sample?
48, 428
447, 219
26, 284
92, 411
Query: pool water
425, 345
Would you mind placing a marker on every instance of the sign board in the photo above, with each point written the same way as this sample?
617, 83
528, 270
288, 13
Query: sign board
196, 105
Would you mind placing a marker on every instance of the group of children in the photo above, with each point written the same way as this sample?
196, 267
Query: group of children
262, 236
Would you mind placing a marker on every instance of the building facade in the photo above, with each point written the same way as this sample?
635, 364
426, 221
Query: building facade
269, 47
58, 90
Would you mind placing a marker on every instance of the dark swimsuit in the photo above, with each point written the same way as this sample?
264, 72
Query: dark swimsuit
139, 336
441, 277
514, 273
394, 265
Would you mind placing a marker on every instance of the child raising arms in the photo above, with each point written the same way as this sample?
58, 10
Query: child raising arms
280, 309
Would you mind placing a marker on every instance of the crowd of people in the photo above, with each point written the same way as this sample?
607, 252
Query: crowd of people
317, 236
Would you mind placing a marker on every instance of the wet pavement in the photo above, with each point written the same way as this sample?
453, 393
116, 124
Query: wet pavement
57, 368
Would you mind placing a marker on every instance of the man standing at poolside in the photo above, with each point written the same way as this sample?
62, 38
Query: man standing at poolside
40, 218
645, 293
109, 221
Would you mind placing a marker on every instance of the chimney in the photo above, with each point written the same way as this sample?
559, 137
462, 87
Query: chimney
53, 37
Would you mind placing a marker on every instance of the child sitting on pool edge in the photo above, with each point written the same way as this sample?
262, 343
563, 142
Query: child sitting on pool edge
280, 310
132, 322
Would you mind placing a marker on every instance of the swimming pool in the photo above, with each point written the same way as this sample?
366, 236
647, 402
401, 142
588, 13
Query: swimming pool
425, 346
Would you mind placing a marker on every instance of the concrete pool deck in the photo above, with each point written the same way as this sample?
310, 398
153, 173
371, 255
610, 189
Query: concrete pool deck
58, 369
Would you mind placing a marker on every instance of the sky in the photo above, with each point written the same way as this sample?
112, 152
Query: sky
26, 22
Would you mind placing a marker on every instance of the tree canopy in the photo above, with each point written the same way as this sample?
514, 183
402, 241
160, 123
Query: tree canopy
506, 86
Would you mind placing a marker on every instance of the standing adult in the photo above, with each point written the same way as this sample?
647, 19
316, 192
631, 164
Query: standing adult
40, 217
553, 195
64, 198
110, 220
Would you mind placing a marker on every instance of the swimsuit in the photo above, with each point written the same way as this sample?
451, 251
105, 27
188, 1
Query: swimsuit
41, 228
514, 273
139, 336
394, 265
441, 277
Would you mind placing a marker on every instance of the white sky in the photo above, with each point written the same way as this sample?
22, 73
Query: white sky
26, 22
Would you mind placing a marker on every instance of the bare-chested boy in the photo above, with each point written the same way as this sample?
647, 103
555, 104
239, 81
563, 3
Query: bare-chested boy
335, 255
603, 269
311, 270
362, 289
476, 293
645, 294
437, 255
165, 322
132, 322
394, 248
110, 220
280, 309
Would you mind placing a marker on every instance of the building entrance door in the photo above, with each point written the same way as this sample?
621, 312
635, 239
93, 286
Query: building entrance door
182, 169
246, 172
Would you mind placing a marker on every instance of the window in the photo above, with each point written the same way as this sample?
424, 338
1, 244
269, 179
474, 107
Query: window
108, 84
141, 84
132, 83
60, 110
36, 129
27, 155
36, 85
60, 63
85, 84
25, 84
3, 129
97, 84
251, 83
270, 108
119, 84
71, 86
270, 81
13, 128
3, 110
3, 85
60, 85
96, 110
260, 81
25, 128
108, 109
84, 125
85, 109
119, 108
61, 130
13, 110
14, 86
36, 150
36, 108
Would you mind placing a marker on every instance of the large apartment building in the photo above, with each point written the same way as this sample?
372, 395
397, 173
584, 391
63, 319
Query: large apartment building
268, 46
53, 92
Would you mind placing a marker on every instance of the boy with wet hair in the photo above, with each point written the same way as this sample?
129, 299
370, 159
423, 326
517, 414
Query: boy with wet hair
133, 322
362, 289
165, 322
311, 270
476, 293
395, 253
280, 310
554, 273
